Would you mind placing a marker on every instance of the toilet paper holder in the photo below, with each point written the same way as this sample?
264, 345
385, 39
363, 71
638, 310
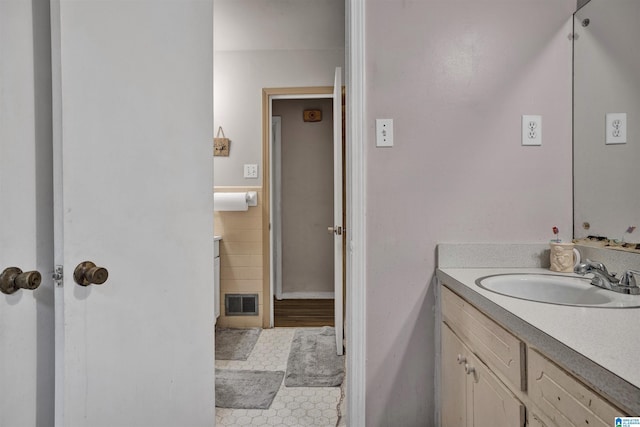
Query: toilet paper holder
252, 198
239, 201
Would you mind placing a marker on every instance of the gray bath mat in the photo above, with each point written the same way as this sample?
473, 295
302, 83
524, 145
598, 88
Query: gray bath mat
246, 389
313, 361
235, 344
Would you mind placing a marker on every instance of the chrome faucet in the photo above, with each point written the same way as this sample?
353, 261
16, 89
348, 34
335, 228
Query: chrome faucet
629, 278
603, 279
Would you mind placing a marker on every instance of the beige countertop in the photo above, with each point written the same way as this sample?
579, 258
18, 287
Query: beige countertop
601, 346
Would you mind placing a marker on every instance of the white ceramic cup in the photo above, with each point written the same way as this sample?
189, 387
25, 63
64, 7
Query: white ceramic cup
564, 257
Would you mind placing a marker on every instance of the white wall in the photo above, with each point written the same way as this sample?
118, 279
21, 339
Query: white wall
267, 43
456, 76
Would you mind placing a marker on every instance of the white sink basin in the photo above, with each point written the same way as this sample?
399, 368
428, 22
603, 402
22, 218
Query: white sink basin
556, 289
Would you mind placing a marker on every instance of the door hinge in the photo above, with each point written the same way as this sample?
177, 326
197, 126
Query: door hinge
58, 275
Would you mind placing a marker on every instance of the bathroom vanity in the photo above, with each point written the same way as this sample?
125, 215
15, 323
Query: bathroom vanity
513, 362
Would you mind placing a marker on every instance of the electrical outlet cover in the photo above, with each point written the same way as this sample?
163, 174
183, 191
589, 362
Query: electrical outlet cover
531, 130
384, 132
616, 128
251, 171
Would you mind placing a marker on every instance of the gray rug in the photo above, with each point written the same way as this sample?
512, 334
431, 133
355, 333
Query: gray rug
313, 361
235, 344
246, 389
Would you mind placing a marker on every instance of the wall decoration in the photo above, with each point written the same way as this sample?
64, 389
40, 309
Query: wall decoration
221, 145
312, 115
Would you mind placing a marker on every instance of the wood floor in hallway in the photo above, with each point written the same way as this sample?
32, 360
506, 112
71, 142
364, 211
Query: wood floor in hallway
303, 312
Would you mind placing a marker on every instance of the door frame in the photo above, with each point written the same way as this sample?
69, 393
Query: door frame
269, 240
354, 285
355, 176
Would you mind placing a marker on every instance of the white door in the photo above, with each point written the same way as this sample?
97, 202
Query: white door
26, 233
135, 198
338, 228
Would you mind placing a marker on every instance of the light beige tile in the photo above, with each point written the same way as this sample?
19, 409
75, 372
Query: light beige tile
240, 248
239, 321
237, 235
241, 286
240, 220
241, 273
241, 261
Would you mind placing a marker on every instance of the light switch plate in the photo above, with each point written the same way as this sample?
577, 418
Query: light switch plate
616, 128
384, 132
251, 171
531, 130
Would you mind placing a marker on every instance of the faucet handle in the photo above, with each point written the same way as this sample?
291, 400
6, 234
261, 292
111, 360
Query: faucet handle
629, 279
588, 266
595, 264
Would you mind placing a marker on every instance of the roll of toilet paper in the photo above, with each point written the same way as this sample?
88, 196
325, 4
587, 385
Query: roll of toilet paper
230, 202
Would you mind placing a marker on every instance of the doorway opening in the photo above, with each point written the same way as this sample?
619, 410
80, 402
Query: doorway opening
303, 182
302, 209
233, 29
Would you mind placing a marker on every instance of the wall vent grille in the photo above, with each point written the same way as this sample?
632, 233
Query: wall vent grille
241, 304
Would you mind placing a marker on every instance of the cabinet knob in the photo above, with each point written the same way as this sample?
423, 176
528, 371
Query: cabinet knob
468, 369
461, 359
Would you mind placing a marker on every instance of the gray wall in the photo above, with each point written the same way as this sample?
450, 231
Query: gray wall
267, 43
456, 76
307, 196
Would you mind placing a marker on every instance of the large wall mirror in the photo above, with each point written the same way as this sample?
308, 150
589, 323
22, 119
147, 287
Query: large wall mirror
606, 82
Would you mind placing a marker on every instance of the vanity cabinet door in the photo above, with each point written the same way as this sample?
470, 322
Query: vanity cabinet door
493, 405
472, 395
499, 349
454, 380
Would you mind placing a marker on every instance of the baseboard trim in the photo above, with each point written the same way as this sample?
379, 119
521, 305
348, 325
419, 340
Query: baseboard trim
306, 295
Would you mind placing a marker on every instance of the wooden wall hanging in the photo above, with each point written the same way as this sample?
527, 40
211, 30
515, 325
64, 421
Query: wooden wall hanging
312, 115
221, 145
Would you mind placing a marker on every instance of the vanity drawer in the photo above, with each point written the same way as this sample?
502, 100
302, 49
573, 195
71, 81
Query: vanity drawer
499, 349
564, 399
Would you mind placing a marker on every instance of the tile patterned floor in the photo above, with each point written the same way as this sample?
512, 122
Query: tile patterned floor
292, 406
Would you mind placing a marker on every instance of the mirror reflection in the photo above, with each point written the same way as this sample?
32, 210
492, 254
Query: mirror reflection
607, 122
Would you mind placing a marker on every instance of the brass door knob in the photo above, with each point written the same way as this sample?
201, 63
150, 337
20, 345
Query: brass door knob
12, 279
87, 273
